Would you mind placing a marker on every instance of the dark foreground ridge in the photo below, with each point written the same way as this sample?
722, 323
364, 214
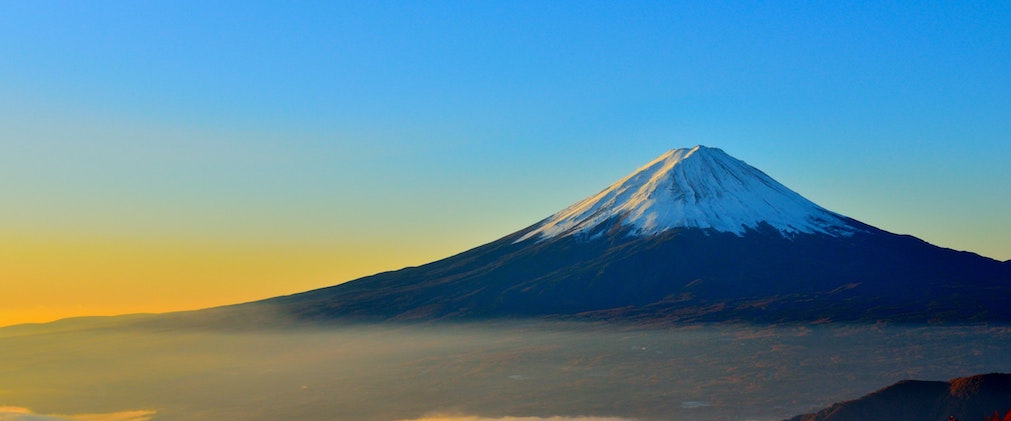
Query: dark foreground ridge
975, 398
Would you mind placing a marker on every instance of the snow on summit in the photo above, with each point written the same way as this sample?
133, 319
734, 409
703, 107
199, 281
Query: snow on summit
699, 187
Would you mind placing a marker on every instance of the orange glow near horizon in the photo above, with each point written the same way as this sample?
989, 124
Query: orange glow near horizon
55, 278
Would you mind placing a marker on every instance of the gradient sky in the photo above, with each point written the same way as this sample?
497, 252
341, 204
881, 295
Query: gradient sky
166, 155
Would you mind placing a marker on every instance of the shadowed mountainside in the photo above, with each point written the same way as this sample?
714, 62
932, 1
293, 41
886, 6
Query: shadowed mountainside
686, 275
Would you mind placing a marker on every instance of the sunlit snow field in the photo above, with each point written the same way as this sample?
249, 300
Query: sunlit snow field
81, 370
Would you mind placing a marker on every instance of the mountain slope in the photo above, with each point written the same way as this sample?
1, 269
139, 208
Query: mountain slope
966, 398
695, 235
695, 188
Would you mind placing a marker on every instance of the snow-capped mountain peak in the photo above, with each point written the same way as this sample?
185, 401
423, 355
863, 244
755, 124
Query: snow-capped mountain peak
697, 187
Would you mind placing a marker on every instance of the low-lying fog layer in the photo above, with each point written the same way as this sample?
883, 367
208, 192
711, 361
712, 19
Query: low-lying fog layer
471, 372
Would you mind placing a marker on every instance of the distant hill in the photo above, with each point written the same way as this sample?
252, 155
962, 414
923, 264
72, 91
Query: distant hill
974, 398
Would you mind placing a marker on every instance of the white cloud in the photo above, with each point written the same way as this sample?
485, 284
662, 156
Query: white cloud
16, 413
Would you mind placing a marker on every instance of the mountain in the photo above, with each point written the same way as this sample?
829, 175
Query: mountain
966, 398
694, 235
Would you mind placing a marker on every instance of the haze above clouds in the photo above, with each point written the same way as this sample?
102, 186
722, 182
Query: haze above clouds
476, 418
13, 413
536, 372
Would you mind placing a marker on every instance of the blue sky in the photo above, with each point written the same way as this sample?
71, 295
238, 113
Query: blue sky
408, 131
